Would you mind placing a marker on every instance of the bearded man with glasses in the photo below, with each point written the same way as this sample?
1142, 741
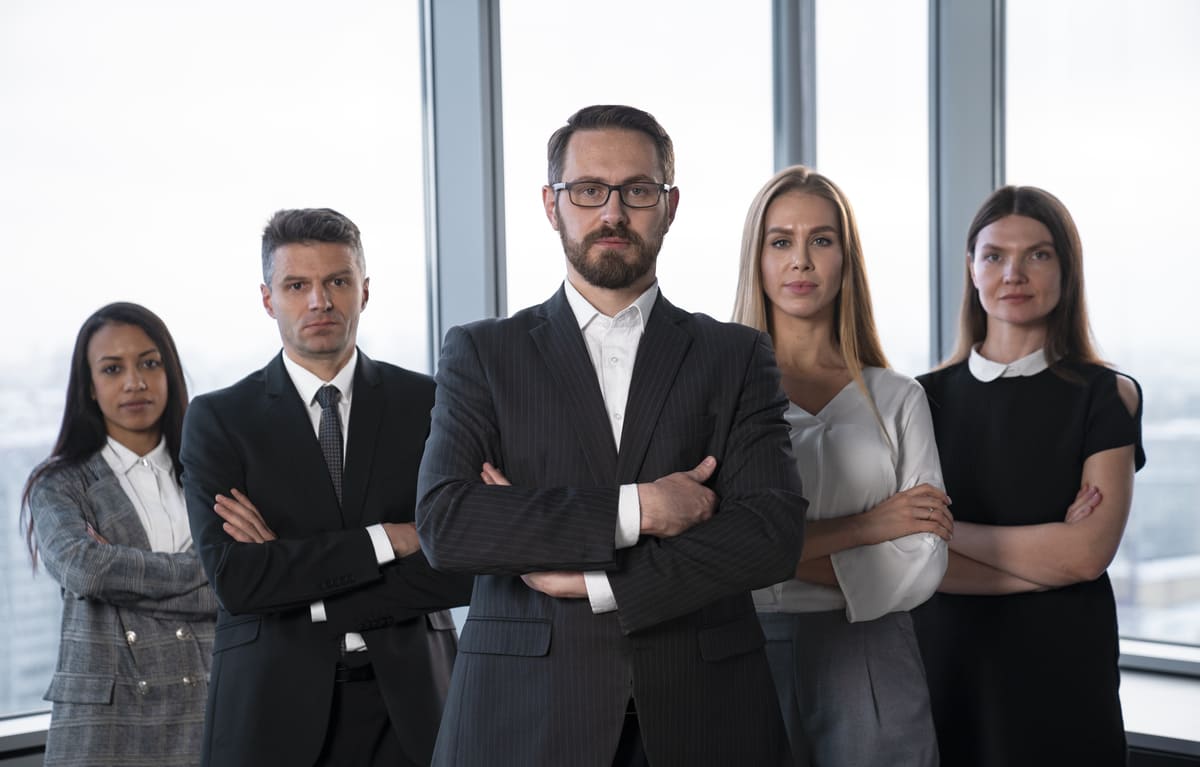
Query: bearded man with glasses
618, 474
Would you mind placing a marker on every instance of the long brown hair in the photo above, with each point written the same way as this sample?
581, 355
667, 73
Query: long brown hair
83, 432
1068, 332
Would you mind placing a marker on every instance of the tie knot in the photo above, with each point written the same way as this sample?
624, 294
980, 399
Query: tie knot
328, 396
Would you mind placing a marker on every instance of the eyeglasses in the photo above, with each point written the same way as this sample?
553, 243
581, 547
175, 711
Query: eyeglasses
594, 194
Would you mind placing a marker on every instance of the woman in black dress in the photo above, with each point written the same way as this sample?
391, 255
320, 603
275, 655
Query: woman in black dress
1039, 442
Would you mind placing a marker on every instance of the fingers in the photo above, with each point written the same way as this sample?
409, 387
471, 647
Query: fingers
242, 517
928, 491
938, 521
96, 536
703, 470
1086, 501
493, 476
241, 498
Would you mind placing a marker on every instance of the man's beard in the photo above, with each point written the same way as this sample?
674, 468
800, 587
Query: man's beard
609, 269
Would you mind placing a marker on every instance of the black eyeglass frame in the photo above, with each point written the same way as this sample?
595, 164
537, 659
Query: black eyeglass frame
620, 189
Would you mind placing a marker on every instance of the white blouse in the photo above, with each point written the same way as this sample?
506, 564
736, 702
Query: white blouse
150, 484
847, 467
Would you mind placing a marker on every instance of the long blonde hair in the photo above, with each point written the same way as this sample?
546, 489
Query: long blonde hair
854, 330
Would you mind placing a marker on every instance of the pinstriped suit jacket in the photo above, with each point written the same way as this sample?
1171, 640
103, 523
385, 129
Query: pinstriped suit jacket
544, 681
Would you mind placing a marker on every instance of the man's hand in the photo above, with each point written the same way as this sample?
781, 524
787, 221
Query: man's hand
672, 504
557, 584
243, 523
403, 537
493, 476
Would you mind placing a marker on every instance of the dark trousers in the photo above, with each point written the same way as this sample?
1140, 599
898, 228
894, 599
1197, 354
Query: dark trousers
360, 733
629, 748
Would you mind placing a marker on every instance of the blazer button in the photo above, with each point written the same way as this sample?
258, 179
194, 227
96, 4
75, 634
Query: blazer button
182, 633
189, 681
131, 636
143, 687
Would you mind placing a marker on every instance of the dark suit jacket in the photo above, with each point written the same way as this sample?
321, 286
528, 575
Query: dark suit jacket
273, 668
543, 681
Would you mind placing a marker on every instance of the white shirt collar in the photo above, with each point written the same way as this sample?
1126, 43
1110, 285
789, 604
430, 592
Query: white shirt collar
307, 384
986, 370
585, 313
122, 459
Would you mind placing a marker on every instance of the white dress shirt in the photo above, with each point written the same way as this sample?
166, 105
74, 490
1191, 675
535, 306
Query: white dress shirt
848, 467
150, 483
612, 344
307, 386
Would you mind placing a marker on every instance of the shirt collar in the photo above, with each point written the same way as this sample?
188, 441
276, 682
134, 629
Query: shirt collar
307, 384
124, 459
986, 370
585, 313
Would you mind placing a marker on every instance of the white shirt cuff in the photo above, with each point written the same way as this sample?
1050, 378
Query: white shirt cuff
629, 517
317, 611
600, 592
383, 547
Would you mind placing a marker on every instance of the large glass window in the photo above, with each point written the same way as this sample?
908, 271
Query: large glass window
707, 82
873, 141
143, 146
1102, 111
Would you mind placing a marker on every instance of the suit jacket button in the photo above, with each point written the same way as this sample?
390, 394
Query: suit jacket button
143, 687
182, 633
189, 681
131, 636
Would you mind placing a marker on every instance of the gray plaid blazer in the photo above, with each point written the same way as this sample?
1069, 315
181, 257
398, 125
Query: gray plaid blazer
137, 628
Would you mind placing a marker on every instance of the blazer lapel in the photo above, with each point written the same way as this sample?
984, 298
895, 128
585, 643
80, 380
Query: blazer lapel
116, 519
562, 347
287, 415
661, 351
366, 413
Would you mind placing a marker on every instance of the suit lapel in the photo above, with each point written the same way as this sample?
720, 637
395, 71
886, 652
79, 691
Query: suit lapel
562, 347
366, 414
660, 353
287, 416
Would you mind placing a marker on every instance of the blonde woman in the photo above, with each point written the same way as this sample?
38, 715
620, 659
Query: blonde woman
1039, 441
840, 641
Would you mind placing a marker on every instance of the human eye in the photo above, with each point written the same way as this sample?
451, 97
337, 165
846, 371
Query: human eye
822, 241
1043, 255
111, 369
637, 190
990, 256
586, 191
152, 363
294, 286
340, 282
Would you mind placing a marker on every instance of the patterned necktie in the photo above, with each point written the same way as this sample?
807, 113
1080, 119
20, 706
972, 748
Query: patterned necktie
330, 435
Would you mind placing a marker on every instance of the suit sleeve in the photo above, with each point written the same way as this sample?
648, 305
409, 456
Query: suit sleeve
467, 526
900, 574
251, 577
754, 538
410, 588
168, 585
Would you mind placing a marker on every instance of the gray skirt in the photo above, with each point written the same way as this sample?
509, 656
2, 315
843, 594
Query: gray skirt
852, 694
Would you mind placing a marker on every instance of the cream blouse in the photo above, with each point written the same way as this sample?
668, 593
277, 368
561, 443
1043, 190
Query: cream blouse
847, 467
